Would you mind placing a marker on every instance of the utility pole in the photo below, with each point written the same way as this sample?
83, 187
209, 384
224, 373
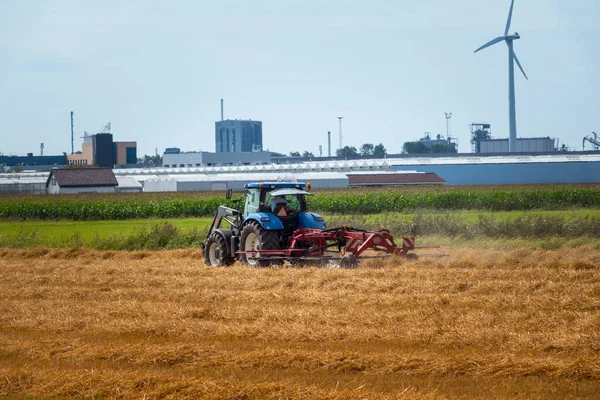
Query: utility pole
448, 116
340, 118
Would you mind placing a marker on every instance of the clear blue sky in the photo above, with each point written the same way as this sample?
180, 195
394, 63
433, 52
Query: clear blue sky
157, 70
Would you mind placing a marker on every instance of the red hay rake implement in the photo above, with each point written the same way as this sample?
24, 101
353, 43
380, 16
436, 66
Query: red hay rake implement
343, 244
275, 226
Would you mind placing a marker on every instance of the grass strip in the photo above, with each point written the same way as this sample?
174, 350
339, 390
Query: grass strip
538, 230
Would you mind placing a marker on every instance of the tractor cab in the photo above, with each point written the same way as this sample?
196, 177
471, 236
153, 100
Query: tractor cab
280, 206
280, 202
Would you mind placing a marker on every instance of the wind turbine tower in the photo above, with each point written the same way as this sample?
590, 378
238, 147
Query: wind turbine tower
512, 58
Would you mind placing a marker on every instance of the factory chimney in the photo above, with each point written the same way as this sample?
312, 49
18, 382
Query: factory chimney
221, 109
42, 149
328, 144
72, 137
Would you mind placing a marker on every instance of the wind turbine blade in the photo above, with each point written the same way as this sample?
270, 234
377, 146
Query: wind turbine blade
512, 3
491, 42
519, 64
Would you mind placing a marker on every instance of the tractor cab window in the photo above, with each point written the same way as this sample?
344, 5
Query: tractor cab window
252, 202
292, 201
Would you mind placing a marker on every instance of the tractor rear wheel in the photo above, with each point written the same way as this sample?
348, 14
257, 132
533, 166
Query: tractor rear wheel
255, 238
215, 251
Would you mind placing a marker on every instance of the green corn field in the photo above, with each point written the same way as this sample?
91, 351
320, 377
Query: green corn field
350, 201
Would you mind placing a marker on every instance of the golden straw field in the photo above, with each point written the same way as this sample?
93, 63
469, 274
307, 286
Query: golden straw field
477, 324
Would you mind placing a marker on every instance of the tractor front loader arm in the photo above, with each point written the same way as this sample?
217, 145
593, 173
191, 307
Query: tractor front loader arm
231, 215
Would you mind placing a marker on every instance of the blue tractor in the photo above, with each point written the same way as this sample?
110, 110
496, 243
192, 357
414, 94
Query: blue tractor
262, 233
275, 226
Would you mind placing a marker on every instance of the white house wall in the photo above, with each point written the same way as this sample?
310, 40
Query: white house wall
91, 189
53, 188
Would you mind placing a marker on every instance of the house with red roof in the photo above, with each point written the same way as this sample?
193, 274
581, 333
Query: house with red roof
81, 180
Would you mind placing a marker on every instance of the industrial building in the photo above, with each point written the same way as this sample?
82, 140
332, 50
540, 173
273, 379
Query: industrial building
237, 142
31, 162
204, 182
464, 169
483, 143
238, 135
395, 178
125, 153
174, 158
100, 150
450, 143
524, 145
455, 170
507, 169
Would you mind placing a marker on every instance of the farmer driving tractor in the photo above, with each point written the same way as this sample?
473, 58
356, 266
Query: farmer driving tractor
279, 206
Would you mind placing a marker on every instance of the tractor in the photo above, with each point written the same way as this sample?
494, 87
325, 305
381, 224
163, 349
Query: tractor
275, 227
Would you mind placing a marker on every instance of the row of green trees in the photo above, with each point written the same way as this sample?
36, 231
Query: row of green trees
367, 149
379, 150
155, 160
421, 148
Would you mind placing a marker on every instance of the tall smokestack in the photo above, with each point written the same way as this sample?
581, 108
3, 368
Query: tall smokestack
340, 118
72, 136
221, 109
329, 144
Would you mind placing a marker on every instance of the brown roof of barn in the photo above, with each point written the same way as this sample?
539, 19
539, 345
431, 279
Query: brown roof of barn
395, 179
83, 177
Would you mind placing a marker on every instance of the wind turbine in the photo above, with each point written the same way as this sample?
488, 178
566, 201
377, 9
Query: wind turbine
512, 58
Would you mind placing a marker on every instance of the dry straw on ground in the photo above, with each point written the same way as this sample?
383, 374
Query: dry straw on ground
478, 324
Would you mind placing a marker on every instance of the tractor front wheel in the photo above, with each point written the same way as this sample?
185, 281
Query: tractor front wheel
215, 251
255, 238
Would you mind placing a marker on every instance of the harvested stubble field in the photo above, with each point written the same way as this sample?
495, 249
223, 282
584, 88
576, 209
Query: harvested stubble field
479, 324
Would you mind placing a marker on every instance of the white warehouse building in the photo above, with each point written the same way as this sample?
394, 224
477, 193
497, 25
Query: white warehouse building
204, 182
198, 159
472, 169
